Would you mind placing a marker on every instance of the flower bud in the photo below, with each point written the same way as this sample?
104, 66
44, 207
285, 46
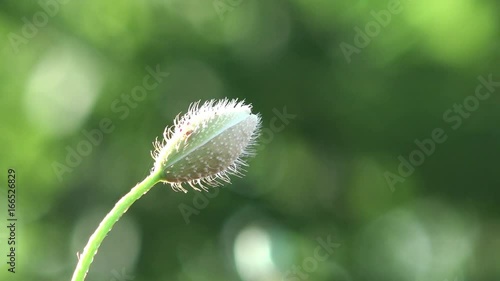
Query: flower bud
207, 144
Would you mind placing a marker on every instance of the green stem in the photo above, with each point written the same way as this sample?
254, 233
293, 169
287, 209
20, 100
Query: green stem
107, 223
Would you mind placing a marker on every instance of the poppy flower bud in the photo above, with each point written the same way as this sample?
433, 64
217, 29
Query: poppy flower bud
207, 144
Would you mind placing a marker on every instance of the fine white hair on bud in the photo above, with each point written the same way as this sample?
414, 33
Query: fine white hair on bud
207, 144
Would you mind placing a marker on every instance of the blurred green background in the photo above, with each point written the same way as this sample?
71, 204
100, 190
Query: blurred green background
361, 83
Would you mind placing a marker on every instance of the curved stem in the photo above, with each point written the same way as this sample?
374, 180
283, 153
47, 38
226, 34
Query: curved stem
107, 223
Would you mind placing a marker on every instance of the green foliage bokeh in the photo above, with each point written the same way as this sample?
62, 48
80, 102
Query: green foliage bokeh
346, 90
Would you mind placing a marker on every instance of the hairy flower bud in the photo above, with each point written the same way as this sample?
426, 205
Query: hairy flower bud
207, 144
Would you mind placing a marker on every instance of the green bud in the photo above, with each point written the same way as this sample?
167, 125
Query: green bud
207, 144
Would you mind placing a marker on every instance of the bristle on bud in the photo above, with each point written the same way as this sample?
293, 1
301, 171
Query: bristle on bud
207, 144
